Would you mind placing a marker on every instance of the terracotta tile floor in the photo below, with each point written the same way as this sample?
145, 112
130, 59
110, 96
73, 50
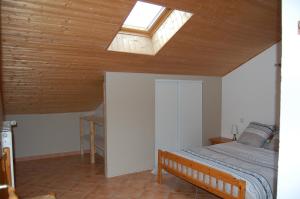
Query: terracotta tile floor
73, 177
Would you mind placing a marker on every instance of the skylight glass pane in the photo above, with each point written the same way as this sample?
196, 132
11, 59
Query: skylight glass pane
143, 16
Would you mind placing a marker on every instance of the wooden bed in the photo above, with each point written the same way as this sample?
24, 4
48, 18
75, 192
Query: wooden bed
200, 175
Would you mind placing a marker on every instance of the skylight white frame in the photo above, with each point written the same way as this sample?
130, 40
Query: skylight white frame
140, 8
156, 23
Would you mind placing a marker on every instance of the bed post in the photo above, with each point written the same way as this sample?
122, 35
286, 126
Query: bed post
159, 167
242, 190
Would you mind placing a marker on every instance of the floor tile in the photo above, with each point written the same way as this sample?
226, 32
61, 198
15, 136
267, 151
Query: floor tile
73, 177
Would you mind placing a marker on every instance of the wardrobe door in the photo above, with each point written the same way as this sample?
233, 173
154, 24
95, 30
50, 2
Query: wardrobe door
190, 117
166, 115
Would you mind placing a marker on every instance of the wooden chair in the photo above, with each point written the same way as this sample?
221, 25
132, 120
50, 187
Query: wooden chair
12, 194
48, 196
6, 180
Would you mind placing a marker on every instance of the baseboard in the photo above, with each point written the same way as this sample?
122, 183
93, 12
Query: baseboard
46, 156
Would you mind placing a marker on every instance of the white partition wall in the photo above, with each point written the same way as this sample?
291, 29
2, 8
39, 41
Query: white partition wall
130, 118
178, 115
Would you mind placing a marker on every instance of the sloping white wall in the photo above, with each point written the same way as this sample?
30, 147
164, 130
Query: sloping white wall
130, 118
44, 134
252, 92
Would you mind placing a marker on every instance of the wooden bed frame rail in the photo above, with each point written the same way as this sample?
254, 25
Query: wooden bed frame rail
217, 182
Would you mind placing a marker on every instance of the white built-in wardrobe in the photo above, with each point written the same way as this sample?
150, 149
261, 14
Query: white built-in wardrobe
178, 114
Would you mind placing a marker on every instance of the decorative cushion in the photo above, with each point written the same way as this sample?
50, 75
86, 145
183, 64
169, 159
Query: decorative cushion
256, 134
273, 143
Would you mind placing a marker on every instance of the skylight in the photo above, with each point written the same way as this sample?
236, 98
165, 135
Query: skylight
148, 28
143, 16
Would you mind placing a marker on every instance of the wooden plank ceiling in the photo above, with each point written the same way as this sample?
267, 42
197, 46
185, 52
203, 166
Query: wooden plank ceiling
54, 51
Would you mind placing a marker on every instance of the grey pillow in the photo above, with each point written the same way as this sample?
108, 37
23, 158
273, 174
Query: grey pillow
273, 143
256, 134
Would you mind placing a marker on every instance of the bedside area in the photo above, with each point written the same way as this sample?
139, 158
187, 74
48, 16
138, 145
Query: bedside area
219, 140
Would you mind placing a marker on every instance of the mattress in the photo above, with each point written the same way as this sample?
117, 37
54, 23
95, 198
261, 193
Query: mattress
257, 166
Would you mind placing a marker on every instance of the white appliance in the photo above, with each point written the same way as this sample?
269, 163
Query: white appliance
7, 142
178, 115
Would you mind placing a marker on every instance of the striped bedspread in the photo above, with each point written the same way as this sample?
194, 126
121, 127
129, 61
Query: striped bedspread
257, 166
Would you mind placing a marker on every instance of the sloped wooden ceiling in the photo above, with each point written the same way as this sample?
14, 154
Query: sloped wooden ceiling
54, 51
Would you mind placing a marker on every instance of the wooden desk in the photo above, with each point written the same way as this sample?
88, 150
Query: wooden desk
92, 121
219, 140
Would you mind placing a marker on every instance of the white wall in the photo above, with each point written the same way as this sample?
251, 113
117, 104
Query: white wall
289, 159
44, 134
252, 91
130, 118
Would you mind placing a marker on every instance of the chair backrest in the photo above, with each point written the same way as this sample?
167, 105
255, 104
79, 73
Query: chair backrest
6, 179
5, 176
